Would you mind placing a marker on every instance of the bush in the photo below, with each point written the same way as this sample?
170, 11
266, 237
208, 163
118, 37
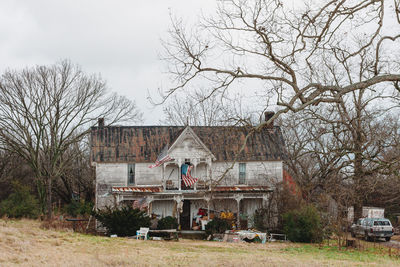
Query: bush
168, 222
76, 208
217, 226
122, 221
303, 225
261, 219
20, 203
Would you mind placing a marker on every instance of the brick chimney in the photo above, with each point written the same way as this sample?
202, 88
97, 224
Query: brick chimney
101, 122
268, 115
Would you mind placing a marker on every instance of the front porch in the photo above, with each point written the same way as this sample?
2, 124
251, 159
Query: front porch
194, 208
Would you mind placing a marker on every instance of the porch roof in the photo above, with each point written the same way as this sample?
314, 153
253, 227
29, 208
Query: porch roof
159, 189
137, 189
240, 188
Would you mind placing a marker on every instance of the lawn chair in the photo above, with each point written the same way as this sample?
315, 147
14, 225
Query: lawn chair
142, 233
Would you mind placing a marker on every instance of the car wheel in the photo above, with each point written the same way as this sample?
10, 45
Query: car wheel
387, 239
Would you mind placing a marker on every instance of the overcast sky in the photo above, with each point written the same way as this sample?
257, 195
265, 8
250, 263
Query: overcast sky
119, 39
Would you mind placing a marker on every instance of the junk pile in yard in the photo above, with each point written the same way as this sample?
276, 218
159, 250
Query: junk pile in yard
215, 226
245, 236
204, 216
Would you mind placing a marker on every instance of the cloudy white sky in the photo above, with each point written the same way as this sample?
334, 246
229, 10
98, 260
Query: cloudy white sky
119, 39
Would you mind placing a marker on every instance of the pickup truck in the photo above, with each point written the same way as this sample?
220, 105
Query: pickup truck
372, 228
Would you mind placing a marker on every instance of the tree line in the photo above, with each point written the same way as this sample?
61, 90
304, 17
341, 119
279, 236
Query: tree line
45, 116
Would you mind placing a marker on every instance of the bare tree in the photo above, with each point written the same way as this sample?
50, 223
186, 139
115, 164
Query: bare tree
306, 55
46, 109
342, 148
78, 176
200, 109
303, 56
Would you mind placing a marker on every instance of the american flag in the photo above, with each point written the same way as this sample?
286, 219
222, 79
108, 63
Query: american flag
186, 177
163, 157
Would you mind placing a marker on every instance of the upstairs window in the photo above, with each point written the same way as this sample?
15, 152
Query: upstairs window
242, 173
131, 174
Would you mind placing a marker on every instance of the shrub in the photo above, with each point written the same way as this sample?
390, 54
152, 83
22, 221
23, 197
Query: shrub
76, 208
217, 226
261, 219
168, 222
303, 225
20, 203
122, 221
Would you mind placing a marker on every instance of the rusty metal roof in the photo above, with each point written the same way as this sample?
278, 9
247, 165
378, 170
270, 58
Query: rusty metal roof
144, 143
241, 188
158, 189
137, 189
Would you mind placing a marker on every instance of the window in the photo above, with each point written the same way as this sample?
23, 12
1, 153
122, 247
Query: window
131, 174
242, 173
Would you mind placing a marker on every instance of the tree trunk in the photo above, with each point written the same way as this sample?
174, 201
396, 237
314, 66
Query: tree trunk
49, 207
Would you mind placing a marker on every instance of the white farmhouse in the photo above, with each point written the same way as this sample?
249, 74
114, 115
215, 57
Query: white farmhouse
227, 181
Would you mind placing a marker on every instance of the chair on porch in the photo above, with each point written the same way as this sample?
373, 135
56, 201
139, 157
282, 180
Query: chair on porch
142, 232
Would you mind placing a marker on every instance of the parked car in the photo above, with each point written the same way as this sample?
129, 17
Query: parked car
372, 228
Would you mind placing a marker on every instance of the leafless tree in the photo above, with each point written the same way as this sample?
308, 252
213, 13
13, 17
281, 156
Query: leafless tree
200, 109
342, 149
45, 110
300, 54
303, 55
79, 176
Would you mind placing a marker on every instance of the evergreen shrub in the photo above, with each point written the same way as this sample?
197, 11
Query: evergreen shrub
303, 225
76, 208
168, 222
20, 204
122, 221
217, 226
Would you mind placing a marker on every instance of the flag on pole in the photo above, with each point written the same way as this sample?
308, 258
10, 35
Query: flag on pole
186, 176
163, 157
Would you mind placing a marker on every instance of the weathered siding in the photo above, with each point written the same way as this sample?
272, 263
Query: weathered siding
147, 176
257, 173
114, 174
107, 176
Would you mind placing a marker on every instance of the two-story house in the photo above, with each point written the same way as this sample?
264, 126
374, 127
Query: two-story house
226, 180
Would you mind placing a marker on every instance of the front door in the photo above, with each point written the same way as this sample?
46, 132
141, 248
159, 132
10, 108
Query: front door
185, 215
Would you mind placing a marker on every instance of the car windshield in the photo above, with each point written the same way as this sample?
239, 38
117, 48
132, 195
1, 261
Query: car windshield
381, 223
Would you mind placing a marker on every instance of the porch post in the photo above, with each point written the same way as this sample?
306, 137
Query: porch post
238, 198
180, 174
163, 177
195, 162
208, 170
208, 199
117, 200
265, 200
179, 204
149, 201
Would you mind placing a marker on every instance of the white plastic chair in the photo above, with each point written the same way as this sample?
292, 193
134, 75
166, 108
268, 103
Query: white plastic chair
142, 233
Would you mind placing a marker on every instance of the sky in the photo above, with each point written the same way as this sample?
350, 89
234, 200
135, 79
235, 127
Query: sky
118, 39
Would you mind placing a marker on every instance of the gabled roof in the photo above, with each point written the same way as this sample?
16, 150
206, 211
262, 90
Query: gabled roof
188, 131
144, 143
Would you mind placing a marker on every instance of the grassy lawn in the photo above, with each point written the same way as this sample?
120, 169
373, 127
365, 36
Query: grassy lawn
25, 243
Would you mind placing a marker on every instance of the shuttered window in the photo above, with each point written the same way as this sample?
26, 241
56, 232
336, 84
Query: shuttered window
131, 174
242, 173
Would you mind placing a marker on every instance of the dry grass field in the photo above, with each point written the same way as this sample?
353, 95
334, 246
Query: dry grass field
25, 243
